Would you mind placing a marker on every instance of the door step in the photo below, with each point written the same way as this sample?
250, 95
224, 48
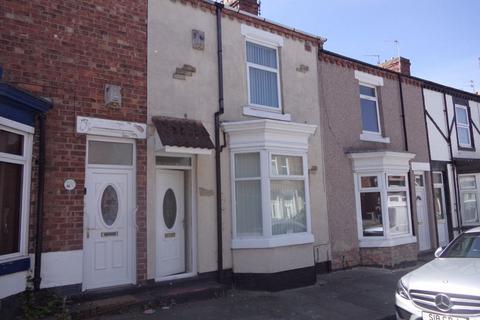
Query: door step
84, 308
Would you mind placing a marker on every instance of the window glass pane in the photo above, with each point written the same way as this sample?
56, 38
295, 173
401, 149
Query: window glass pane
396, 181
287, 165
10, 207
369, 115
463, 136
397, 212
465, 246
469, 208
247, 165
461, 114
263, 87
248, 196
467, 182
437, 177
438, 203
369, 182
372, 220
261, 55
11, 142
367, 91
173, 161
419, 180
112, 153
289, 214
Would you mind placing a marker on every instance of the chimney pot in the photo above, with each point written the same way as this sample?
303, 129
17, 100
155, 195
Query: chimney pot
250, 6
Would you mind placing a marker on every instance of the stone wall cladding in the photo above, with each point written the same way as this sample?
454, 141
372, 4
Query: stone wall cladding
389, 257
67, 51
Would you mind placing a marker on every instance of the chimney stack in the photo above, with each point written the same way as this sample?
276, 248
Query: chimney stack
399, 64
250, 6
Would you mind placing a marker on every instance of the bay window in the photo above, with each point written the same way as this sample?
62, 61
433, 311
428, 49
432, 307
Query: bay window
269, 173
271, 202
469, 194
15, 159
382, 197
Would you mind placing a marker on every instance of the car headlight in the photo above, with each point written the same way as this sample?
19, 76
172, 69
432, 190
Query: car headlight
402, 290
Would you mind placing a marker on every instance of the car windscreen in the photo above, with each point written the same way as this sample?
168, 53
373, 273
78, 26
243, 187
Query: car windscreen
465, 246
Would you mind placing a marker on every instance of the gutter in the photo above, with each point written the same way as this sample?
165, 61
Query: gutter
40, 201
218, 147
405, 137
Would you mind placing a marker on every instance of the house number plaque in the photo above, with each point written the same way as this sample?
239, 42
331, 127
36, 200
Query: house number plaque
169, 235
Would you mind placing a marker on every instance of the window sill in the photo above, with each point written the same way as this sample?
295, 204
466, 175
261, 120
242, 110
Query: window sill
14, 265
278, 241
264, 113
374, 138
382, 242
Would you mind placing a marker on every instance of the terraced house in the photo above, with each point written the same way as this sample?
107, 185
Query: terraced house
201, 140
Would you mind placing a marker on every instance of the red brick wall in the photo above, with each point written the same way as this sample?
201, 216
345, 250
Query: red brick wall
390, 256
67, 51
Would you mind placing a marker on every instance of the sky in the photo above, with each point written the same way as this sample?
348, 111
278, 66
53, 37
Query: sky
440, 37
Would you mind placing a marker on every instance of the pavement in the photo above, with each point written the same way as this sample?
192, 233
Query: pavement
357, 294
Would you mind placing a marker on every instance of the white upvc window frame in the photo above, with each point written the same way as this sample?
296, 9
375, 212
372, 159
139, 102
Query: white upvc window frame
475, 190
267, 240
463, 126
375, 99
26, 161
388, 239
265, 68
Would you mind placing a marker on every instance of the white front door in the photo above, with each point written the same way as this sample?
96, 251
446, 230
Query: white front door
109, 252
422, 213
170, 217
440, 208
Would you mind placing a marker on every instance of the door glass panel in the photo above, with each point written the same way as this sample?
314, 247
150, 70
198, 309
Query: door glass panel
169, 208
469, 207
173, 161
371, 214
467, 182
397, 212
10, 207
110, 153
109, 205
11, 142
438, 203
437, 177
419, 180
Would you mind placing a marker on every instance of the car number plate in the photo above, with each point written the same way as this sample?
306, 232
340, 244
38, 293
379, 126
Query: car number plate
434, 316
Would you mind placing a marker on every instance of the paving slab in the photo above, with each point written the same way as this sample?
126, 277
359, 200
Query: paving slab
359, 294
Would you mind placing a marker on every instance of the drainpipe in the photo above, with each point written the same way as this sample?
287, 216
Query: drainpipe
454, 170
430, 161
405, 137
39, 215
218, 147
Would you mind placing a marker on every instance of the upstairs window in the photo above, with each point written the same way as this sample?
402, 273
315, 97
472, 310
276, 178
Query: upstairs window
369, 109
263, 75
463, 126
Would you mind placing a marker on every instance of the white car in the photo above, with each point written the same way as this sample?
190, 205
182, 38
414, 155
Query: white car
447, 288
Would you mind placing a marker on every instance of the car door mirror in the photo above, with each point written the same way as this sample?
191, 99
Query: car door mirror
438, 252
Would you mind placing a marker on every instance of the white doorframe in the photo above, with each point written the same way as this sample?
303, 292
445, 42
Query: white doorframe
190, 195
131, 223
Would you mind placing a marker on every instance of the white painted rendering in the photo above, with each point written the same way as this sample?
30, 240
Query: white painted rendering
197, 98
14, 283
435, 106
61, 268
